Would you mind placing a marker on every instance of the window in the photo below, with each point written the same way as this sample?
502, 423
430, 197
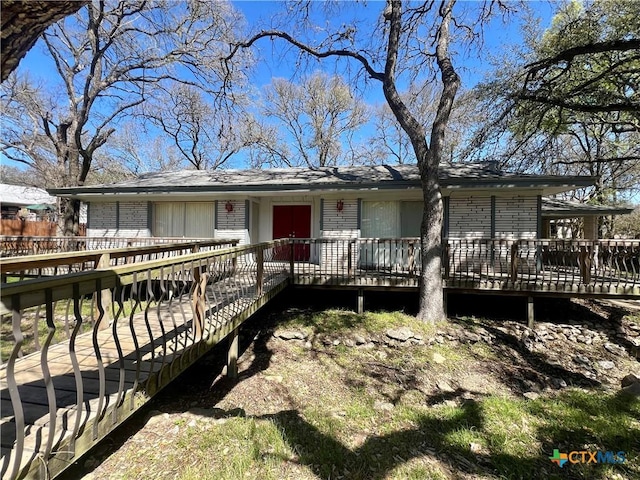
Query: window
184, 219
391, 219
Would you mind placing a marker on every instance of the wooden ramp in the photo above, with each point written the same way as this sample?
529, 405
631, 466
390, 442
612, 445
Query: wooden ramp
61, 400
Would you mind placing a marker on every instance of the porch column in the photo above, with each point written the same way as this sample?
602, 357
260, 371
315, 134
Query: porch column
590, 227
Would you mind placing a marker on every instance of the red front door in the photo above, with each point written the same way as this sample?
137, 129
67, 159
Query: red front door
292, 221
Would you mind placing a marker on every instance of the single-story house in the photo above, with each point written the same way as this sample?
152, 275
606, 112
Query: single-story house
480, 201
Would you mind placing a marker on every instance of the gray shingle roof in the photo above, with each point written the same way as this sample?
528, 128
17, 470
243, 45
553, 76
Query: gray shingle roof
380, 176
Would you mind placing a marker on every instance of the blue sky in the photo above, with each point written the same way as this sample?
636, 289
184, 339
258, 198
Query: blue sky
471, 67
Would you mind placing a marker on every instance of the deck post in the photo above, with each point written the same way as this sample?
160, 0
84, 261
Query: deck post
259, 271
232, 355
530, 312
361, 300
106, 299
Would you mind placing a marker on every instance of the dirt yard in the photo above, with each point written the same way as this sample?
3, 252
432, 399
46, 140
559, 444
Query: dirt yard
330, 394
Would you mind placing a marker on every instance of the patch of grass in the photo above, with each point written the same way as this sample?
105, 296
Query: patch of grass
338, 322
237, 448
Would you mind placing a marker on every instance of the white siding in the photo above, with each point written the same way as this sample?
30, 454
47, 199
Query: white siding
470, 217
232, 225
516, 217
123, 219
132, 219
340, 224
102, 219
233, 220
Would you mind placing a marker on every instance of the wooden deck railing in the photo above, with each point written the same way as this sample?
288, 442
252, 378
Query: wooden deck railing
76, 363
606, 267
50, 264
15, 245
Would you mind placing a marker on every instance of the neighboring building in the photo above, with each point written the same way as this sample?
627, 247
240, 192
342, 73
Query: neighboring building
34, 202
334, 202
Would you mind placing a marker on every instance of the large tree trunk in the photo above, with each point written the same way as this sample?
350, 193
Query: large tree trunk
431, 292
22, 24
69, 218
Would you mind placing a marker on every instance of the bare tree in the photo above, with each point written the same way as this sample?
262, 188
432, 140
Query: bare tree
22, 24
205, 136
134, 150
318, 116
107, 59
414, 35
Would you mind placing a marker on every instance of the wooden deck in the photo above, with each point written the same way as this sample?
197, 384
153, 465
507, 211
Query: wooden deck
84, 351
518, 267
59, 401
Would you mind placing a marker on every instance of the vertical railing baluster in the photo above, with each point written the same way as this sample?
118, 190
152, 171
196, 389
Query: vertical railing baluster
77, 372
12, 385
46, 373
100, 364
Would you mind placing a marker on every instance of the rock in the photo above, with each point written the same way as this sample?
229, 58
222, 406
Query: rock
191, 424
558, 383
359, 339
308, 345
437, 358
401, 334
349, 342
531, 395
611, 348
335, 343
472, 337
629, 379
383, 406
290, 335
582, 359
274, 378
606, 364
443, 386
475, 447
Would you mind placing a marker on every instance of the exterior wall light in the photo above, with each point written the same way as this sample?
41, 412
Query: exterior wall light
340, 205
228, 207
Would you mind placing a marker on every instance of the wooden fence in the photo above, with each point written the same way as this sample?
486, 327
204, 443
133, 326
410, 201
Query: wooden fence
27, 228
